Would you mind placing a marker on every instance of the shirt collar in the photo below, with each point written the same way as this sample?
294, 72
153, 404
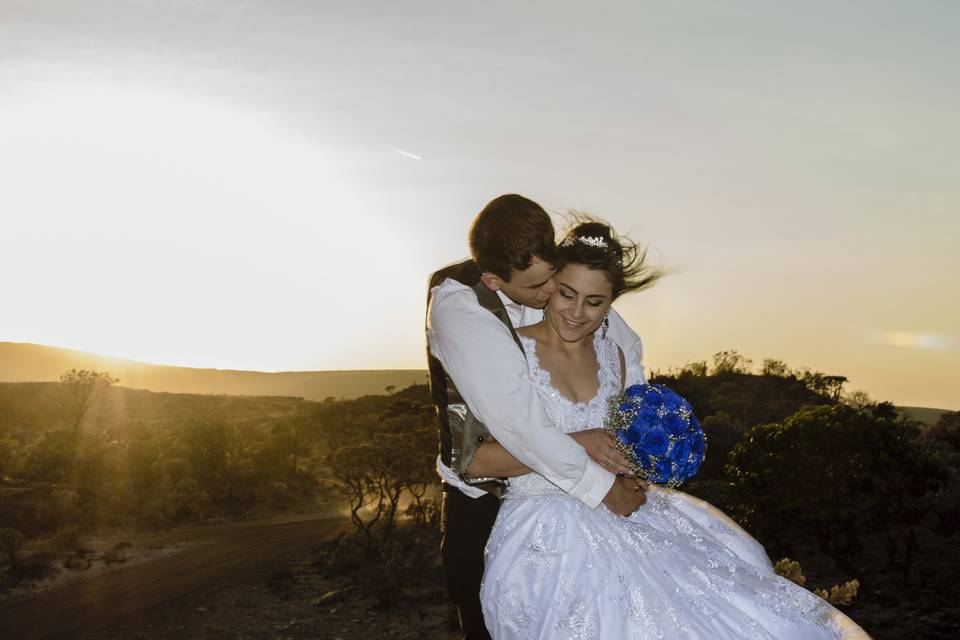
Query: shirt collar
507, 302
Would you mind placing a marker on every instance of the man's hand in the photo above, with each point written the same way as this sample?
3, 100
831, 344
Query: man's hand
599, 446
625, 496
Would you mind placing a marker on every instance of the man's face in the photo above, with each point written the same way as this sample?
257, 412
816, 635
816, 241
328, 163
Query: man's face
531, 287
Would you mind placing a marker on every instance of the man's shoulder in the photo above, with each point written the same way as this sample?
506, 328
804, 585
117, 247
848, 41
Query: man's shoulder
449, 295
465, 273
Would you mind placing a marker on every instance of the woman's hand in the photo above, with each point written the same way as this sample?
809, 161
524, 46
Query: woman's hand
599, 446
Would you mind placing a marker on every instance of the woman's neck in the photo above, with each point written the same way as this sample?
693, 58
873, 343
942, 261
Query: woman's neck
545, 333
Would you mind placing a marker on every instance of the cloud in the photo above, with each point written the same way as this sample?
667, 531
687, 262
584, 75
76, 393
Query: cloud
915, 340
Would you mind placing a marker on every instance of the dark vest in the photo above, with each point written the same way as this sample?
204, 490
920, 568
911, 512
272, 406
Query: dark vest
461, 433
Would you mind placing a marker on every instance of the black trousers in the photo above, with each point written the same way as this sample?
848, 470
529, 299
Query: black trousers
466, 523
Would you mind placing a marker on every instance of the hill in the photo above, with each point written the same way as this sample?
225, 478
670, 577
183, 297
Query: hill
924, 415
24, 362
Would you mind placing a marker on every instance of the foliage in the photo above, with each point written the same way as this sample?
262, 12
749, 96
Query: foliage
383, 458
840, 594
837, 595
836, 474
10, 542
730, 362
146, 458
82, 388
8, 453
946, 430
791, 570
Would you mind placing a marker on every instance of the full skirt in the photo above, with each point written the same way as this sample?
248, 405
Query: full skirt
676, 569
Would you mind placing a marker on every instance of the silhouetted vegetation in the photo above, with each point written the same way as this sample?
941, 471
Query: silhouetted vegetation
837, 481
80, 455
858, 495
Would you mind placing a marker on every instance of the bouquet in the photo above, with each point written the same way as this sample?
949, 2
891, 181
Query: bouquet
656, 430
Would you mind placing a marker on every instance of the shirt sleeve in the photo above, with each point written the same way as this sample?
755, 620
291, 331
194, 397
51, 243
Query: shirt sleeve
490, 372
629, 342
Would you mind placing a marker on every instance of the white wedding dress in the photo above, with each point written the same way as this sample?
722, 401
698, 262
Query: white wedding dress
676, 569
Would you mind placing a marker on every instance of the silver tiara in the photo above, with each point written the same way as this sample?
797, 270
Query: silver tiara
591, 241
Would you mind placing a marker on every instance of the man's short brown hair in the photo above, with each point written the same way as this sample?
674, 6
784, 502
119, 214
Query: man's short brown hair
509, 232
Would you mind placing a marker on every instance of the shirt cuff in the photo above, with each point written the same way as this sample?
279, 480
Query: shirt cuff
594, 485
447, 475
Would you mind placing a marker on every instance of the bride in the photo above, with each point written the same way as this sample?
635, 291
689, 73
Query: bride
677, 568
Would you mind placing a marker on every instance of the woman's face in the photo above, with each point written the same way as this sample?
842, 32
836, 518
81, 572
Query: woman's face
581, 300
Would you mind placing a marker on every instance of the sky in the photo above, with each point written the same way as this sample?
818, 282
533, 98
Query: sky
267, 184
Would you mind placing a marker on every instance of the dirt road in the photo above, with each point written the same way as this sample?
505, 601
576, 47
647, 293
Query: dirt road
238, 555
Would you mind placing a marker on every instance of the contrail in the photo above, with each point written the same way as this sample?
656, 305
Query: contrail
407, 153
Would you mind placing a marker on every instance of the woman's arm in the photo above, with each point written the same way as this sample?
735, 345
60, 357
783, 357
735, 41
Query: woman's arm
493, 461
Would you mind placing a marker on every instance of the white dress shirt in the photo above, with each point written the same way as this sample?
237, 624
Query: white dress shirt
490, 372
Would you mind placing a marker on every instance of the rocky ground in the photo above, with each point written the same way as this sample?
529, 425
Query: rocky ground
305, 586
296, 603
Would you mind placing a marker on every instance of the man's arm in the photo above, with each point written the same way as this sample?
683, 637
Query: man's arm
492, 460
490, 372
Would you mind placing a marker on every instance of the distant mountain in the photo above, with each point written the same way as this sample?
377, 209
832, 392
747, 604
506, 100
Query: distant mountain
24, 362
926, 415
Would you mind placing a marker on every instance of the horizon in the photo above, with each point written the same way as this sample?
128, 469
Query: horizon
264, 188
753, 370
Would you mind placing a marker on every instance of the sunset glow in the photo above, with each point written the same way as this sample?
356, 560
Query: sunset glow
270, 189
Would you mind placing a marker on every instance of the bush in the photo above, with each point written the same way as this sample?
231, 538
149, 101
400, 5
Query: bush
37, 566
838, 477
80, 559
67, 539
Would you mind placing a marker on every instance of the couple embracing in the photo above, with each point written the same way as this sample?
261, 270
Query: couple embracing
545, 533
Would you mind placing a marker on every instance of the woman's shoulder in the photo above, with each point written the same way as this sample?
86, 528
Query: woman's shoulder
533, 331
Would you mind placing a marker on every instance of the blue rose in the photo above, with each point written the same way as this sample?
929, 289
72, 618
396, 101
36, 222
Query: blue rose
655, 441
662, 471
653, 396
641, 423
647, 415
644, 461
635, 391
674, 424
680, 452
687, 471
697, 444
628, 437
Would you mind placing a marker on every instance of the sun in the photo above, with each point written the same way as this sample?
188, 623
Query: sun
173, 228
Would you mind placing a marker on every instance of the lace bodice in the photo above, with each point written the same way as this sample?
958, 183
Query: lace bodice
568, 416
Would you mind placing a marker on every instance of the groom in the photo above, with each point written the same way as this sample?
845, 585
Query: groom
479, 382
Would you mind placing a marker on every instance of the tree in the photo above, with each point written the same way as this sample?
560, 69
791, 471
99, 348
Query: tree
775, 368
8, 453
219, 452
357, 470
10, 542
698, 369
292, 438
83, 387
830, 386
838, 476
730, 361
50, 458
946, 430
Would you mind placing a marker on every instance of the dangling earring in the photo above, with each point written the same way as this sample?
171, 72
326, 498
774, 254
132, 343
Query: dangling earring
604, 326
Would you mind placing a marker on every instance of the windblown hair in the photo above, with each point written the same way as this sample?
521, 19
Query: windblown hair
594, 244
509, 232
